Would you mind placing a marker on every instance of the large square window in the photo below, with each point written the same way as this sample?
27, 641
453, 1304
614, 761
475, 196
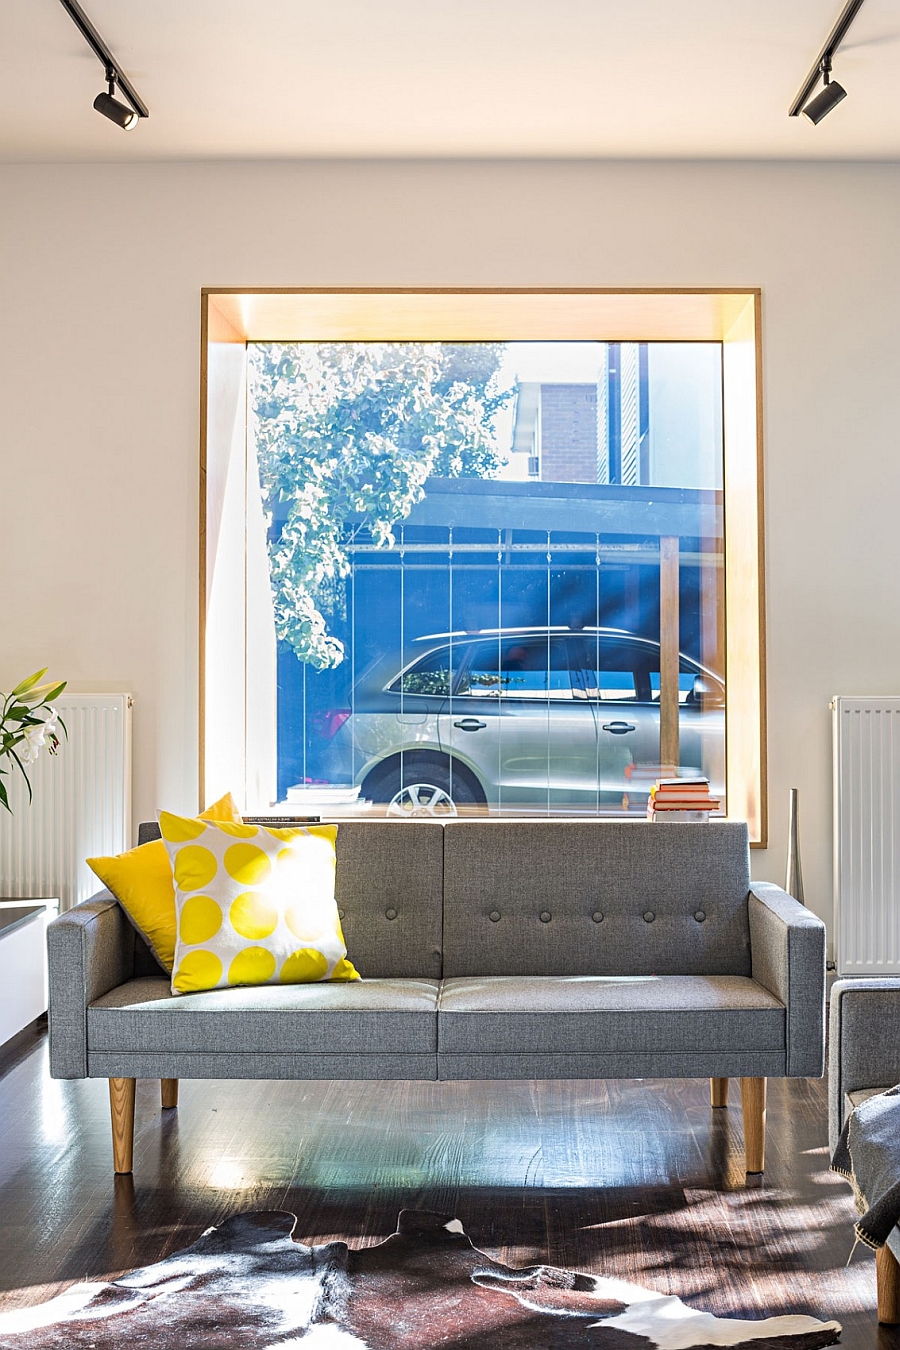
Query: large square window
481, 577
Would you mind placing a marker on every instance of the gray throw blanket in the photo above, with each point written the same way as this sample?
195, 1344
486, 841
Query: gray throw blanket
868, 1155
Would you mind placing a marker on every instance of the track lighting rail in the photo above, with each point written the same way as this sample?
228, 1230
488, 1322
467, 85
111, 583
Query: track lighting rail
104, 55
832, 42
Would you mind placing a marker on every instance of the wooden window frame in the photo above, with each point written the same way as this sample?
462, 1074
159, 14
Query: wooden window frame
233, 316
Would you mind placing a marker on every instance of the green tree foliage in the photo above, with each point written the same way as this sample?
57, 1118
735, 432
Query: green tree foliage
347, 434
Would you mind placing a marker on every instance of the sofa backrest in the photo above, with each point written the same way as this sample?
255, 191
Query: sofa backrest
595, 898
388, 893
538, 897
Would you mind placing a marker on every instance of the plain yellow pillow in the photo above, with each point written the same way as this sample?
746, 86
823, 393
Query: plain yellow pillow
141, 880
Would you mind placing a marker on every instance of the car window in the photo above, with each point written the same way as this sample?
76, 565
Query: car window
687, 674
517, 667
617, 671
614, 672
432, 674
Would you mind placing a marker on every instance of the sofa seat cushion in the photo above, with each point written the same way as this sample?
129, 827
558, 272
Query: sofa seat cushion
378, 1016
854, 1099
594, 1014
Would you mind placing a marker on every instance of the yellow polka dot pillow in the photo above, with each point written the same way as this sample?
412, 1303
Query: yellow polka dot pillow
254, 905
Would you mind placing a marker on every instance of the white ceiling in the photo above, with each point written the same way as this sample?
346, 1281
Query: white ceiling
293, 78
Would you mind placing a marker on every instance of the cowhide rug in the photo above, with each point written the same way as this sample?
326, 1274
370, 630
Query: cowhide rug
247, 1283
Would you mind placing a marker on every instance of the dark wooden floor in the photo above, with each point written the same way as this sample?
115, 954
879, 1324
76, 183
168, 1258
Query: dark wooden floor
637, 1178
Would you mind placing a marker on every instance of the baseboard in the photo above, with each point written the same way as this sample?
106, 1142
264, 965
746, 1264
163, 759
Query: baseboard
13, 1051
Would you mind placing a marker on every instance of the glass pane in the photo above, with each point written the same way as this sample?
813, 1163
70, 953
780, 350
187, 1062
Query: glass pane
464, 547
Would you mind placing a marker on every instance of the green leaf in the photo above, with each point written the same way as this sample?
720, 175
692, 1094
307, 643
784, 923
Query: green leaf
4, 800
18, 713
32, 680
24, 775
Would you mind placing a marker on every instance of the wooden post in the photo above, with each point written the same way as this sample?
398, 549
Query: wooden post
668, 650
712, 612
753, 1104
121, 1108
888, 1275
168, 1091
712, 648
718, 1091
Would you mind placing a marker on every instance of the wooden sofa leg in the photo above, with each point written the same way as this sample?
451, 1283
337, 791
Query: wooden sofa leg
168, 1093
718, 1091
753, 1104
888, 1275
121, 1106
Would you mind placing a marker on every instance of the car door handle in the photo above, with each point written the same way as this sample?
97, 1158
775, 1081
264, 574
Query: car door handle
470, 724
619, 728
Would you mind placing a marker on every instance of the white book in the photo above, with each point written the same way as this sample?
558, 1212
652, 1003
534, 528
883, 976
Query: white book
676, 816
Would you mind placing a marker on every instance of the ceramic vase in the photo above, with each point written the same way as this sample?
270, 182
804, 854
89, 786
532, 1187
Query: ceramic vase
794, 879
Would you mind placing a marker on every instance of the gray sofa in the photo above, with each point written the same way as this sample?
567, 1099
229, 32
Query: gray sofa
489, 949
864, 1058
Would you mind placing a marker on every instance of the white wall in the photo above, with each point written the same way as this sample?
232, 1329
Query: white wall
100, 274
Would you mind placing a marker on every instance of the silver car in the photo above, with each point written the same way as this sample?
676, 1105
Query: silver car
522, 721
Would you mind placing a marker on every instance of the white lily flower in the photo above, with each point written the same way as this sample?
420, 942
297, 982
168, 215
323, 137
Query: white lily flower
33, 741
20, 744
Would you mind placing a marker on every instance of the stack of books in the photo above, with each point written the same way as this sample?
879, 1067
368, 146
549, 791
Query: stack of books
640, 778
674, 799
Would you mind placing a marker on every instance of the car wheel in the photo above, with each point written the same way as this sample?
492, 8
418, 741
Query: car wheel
421, 799
422, 789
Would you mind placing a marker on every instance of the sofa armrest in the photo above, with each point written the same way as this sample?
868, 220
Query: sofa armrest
787, 948
90, 950
863, 1042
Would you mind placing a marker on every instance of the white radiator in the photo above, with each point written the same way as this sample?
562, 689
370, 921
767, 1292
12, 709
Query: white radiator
81, 807
867, 835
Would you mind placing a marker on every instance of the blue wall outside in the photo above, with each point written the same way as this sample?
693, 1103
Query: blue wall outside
395, 595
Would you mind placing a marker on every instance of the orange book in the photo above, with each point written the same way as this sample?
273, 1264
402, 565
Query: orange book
710, 804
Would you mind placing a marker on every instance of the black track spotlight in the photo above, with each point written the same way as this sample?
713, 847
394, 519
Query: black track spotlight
817, 106
125, 115
828, 97
117, 112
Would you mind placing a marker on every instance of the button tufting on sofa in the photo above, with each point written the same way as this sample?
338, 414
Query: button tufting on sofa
699, 915
390, 914
597, 916
494, 916
649, 916
546, 916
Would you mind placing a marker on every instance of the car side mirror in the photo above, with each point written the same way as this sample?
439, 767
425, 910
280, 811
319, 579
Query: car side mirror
704, 694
